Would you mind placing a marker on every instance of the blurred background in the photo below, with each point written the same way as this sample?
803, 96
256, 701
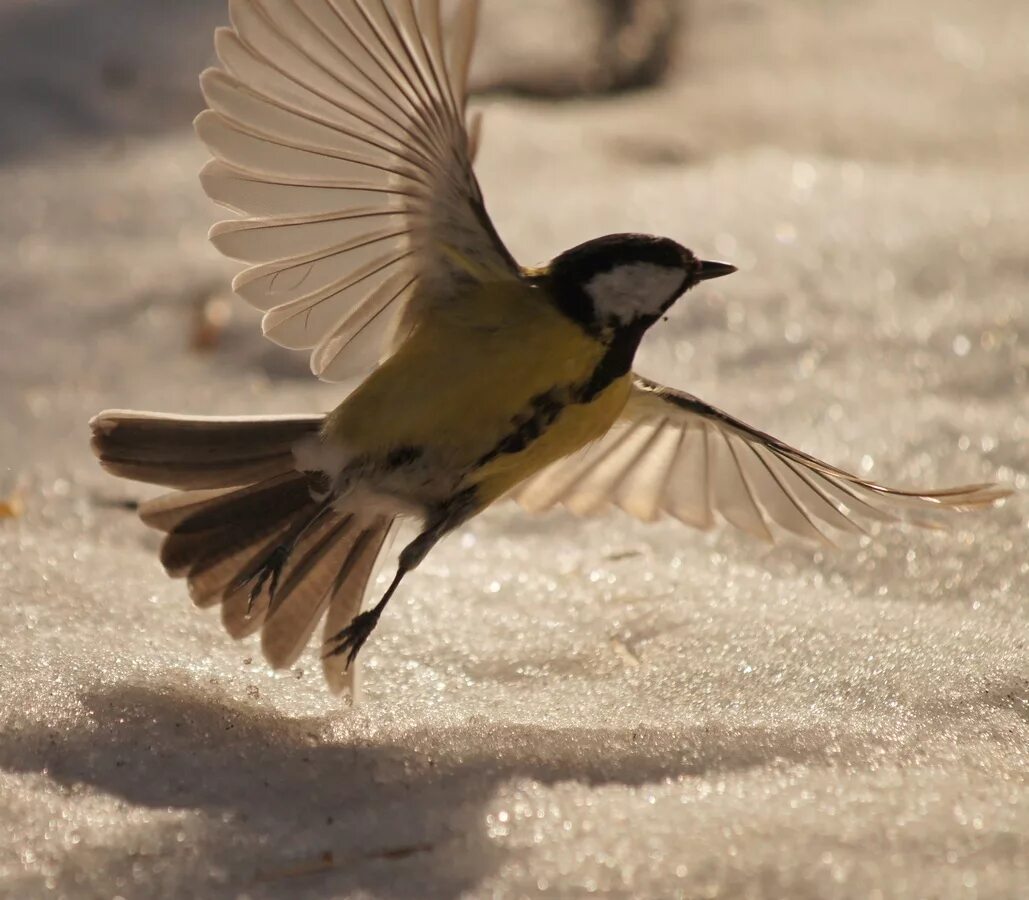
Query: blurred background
104, 227
554, 705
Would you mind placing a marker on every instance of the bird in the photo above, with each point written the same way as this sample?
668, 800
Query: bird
342, 144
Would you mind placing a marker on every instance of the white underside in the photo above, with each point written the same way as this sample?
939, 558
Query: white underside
312, 454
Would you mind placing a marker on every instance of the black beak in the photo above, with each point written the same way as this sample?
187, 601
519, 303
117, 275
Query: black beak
713, 270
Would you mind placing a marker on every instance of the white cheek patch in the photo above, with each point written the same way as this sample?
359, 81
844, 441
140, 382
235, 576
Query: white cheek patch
634, 289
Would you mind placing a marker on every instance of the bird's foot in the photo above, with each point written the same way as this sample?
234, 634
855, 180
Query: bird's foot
351, 639
267, 572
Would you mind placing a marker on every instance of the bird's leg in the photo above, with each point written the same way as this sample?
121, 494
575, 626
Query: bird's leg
352, 638
441, 520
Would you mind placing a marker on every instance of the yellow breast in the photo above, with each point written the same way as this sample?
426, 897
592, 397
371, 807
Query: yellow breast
462, 382
576, 426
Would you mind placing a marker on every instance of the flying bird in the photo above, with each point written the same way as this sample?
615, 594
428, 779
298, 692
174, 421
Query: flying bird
340, 140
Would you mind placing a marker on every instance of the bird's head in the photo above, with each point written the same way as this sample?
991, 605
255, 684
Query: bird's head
625, 282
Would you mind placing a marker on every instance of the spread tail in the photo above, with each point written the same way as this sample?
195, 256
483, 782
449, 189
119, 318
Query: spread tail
245, 528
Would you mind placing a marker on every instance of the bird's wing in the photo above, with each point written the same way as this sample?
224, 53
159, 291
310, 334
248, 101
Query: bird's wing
673, 454
338, 131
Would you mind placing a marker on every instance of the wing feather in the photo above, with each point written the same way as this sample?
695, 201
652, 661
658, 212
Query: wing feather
356, 104
339, 135
363, 331
302, 322
286, 243
733, 495
249, 111
688, 496
672, 453
263, 198
598, 485
775, 497
642, 490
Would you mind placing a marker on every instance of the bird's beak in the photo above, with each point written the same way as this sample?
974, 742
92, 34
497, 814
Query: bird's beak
710, 269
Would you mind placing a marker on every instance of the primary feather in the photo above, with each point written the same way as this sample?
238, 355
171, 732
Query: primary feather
338, 131
673, 454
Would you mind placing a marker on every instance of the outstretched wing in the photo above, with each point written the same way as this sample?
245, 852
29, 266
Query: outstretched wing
337, 128
671, 453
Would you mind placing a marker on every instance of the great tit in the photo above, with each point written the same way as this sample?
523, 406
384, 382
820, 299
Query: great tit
338, 130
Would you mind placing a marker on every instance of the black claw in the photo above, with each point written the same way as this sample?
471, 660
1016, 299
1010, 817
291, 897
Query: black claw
351, 639
270, 569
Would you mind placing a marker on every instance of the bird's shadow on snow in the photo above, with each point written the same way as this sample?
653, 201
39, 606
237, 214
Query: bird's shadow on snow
402, 813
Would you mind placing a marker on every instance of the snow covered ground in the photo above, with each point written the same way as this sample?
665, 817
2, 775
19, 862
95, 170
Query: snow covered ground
551, 707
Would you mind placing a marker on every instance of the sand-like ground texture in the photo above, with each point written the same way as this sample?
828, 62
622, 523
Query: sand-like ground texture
551, 707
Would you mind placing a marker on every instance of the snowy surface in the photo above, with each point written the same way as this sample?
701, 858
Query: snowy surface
551, 707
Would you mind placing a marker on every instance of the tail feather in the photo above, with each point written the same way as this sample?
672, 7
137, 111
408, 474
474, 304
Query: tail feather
216, 561
304, 592
181, 554
211, 530
310, 558
241, 617
244, 499
191, 512
348, 593
197, 453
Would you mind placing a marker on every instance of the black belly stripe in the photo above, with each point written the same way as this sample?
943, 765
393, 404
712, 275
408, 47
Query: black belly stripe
529, 425
544, 408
